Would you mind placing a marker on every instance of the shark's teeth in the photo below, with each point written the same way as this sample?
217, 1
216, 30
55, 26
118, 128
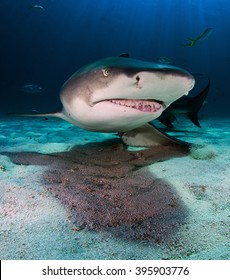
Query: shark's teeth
141, 105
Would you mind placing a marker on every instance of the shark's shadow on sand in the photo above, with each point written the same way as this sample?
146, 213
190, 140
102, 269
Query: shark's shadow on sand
107, 188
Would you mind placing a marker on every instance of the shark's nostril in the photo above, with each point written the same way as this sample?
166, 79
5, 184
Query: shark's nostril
137, 80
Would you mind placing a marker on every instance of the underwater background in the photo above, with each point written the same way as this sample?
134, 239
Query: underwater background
68, 193
44, 41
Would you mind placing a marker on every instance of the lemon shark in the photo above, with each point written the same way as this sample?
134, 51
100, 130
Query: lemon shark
122, 95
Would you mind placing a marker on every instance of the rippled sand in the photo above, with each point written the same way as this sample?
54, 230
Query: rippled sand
70, 194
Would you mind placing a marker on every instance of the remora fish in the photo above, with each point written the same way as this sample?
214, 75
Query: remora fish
203, 36
121, 94
189, 106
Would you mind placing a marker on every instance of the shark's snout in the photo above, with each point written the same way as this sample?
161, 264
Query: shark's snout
177, 83
189, 81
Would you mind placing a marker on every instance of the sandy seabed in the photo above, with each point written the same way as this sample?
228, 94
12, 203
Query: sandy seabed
71, 194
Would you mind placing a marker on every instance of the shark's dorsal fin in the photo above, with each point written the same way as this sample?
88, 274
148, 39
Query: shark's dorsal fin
149, 135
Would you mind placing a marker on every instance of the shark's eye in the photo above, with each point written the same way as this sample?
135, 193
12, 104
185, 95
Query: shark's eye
106, 72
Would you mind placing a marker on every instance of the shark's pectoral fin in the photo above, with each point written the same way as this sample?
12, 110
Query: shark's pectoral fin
167, 119
41, 115
148, 135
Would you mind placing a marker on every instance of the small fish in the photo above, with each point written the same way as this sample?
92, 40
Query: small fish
164, 60
31, 88
203, 36
38, 7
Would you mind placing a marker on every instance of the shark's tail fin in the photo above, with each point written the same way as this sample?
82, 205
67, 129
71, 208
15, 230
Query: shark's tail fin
196, 103
191, 44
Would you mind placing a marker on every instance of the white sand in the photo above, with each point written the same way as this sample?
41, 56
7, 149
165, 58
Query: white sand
36, 224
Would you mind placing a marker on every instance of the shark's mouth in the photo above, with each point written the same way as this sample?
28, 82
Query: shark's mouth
148, 106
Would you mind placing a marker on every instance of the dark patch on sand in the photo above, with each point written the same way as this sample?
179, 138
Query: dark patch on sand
107, 188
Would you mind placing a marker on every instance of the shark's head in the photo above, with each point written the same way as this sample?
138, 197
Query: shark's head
119, 94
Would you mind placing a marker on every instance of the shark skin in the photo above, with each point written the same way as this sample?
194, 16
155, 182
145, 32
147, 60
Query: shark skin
121, 94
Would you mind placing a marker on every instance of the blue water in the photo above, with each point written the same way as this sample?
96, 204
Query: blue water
45, 47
